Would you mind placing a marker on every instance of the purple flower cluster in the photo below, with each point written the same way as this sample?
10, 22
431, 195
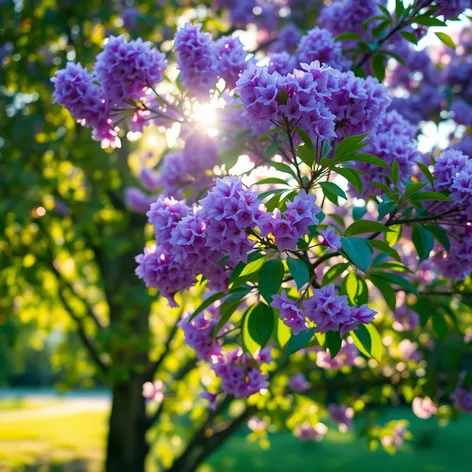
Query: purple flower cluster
447, 166
280, 62
76, 90
289, 226
241, 374
298, 383
163, 215
230, 210
389, 143
331, 312
319, 45
462, 112
346, 357
462, 396
231, 58
357, 103
126, 69
307, 432
327, 310
138, 201
453, 8
290, 313
331, 238
342, 16
456, 263
341, 415
199, 336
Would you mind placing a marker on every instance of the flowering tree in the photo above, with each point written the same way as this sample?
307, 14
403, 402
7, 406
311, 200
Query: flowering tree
316, 260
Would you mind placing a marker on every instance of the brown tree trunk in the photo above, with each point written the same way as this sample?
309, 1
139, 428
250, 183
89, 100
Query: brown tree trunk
127, 447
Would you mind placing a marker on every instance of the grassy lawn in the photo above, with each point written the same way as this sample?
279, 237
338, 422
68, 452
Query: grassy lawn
75, 442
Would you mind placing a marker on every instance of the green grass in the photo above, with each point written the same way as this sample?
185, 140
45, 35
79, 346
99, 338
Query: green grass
19, 403
75, 442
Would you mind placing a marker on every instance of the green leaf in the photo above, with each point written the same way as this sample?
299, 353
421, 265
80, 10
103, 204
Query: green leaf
226, 311
349, 146
397, 280
367, 339
385, 208
306, 154
281, 167
428, 21
351, 175
243, 273
257, 327
271, 276
262, 137
385, 247
370, 159
272, 149
206, 303
394, 235
282, 332
423, 241
439, 325
305, 138
330, 187
277, 191
366, 226
395, 172
411, 37
333, 342
230, 157
299, 341
394, 265
426, 172
299, 271
356, 289
358, 251
436, 196
378, 64
386, 290
413, 188
440, 234
358, 212
272, 180
348, 37
333, 273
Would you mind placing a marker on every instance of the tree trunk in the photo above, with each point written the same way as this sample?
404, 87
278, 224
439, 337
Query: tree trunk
127, 447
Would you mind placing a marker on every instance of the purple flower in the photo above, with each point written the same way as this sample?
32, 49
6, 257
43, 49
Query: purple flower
76, 90
346, 357
149, 179
319, 45
163, 215
160, 271
307, 432
199, 335
453, 8
211, 397
290, 313
342, 415
240, 374
137, 200
331, 238
280, 62
299, 383
462, 397
126, 69
231, 58
405, 319
197, 60
462, 112
447, 166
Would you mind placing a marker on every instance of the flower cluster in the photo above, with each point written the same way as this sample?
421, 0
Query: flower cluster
76, 90
350, 15
230, 211
307, 432
289, 226
241, 373
392, 139
126, 69
341, 415
328, 311
231, 58
319, 45
453, 8
346, 357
